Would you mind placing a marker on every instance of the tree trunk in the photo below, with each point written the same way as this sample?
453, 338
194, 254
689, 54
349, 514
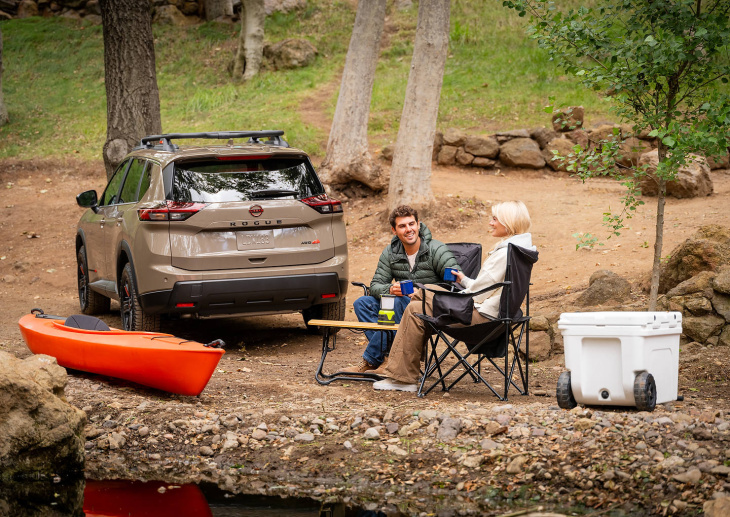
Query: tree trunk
133, 101
348, 157
659, 236
217, 8
250, 51
3, 109
410, 175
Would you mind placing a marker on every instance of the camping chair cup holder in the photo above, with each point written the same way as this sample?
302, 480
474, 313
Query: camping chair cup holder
506, 335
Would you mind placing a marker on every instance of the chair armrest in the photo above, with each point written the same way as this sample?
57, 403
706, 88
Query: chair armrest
457, 293
365, 288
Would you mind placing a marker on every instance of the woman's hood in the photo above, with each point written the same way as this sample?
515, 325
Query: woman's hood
523, 240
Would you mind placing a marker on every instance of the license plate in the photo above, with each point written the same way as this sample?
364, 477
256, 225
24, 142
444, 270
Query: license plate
259, 240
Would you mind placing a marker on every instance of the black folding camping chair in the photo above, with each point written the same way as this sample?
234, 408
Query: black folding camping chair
498, 338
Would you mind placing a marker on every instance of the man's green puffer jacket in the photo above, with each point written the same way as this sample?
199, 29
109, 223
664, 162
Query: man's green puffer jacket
432, 259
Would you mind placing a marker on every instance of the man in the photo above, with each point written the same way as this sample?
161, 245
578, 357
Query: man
411, 255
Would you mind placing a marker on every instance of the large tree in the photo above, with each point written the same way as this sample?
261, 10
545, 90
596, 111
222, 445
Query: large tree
348, 157
3, 109
660, 63
132, 97
250, 50
410, 176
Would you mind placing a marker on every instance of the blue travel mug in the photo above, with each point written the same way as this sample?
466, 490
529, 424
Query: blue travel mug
406, 287
449, 275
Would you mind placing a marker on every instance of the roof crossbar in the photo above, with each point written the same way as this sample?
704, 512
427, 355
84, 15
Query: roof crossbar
273, 136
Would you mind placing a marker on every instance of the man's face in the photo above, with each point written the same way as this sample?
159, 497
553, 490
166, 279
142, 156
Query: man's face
406, 229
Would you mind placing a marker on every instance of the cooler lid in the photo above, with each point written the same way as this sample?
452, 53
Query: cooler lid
622, 319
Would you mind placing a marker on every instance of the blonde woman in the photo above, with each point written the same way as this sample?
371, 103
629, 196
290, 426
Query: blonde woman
510, 222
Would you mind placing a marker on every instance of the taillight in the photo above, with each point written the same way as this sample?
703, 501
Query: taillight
172, 211
323, 204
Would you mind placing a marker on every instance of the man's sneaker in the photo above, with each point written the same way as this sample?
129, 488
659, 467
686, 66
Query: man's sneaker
393, 385
363, 367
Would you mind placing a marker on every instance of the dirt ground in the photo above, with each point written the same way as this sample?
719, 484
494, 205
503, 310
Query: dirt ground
273, 359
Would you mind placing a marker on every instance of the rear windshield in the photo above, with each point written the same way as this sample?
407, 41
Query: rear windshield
244, 180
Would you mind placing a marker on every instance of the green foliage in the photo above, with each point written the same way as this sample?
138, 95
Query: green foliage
586, 240
662, 64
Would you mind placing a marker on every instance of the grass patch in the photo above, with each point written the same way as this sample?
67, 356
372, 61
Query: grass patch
495, 78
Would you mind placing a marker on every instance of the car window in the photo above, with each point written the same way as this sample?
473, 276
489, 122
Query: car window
214, 181
131, 183
144, 185
112, 189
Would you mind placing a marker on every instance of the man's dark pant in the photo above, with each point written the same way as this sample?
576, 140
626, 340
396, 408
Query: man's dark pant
366, 309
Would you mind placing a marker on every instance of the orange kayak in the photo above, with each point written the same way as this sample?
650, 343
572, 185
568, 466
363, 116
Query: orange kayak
157, 360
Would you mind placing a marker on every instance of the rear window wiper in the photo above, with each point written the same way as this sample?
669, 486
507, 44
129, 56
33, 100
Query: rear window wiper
272, 193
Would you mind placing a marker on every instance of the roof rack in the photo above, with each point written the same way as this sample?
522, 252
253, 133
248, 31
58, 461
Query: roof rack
254, 137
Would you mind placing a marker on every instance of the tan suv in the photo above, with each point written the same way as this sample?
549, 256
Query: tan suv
212, 230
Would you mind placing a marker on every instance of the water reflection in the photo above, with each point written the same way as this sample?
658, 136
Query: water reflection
121, 498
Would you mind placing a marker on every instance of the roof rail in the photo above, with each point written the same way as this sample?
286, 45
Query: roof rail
274, 138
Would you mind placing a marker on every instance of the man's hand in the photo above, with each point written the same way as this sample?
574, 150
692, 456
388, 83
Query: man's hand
395, 289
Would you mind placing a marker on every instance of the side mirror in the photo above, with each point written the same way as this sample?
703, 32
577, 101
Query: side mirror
87, 199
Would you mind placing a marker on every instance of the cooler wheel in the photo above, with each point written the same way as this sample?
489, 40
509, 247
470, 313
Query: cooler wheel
564, 393
645, 392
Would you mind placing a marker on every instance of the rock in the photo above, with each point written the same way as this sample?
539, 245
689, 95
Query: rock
170, 15
578, 137
290, 53
258, 434
304, 437
717, 508
488, 444
283, 6
427, 415
392, 427
698, 305
27, 8
539, 324
631, 150
517, 465
700, 328
454, 137
449, 429
724, 338
706, 250
463, 158
718, 162
447, 155
721, 281
116, 441
693, 180
206, 451
484, 163
41, 433
438, 142
504, 136
699, 283
494, 428
557, 153
540, 345
371, 433
568, 119
481, 147
693, 476
584, 423
604, 286
93, 19
472, 462
522, 152
543, 136
394, 449
604, 133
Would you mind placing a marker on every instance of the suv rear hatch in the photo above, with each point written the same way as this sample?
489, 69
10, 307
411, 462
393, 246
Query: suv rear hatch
250, 212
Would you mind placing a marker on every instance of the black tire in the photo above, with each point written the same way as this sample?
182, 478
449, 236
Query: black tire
90, 301
645, 392
327, 311
133, 317
564, 393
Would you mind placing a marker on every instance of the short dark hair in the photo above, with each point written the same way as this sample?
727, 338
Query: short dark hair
402, 211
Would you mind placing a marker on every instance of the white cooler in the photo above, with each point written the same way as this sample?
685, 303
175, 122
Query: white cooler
607, 351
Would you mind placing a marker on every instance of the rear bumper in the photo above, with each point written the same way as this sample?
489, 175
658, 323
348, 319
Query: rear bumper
246, 295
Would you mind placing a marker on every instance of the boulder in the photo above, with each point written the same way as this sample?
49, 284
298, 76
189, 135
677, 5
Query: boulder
27, 8
700, 328
604, 133
698, 305
568, 119
290, 53
481, 147
387, 152
93, 19
693, 180
604, 286
543, 136
447, 155
455, 137
463, 158
579, 137
631, 150
718, 162
485, 163
700, 283
438, 142
706, 250
169, 15
41, 433
283, 6
724, 338
190, 8
522, 152
563, 147
721, 281
505, 136
721, 305
539, 346
719, 507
